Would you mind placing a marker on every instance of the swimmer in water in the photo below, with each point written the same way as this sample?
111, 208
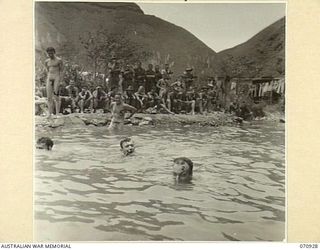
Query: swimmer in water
182, 169
127, 146
44, 143
118, 109
54, 67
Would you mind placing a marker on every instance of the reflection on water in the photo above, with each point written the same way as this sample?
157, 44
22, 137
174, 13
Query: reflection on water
86, 190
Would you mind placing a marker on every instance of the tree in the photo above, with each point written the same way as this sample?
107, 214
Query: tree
100, 46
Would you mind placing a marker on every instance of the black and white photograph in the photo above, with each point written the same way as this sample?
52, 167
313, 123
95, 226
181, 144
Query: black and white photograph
159, 121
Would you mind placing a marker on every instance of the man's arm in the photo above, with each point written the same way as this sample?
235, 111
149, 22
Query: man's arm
130, 108
90, 95
46, 65
158, 83
137, 97
173, 84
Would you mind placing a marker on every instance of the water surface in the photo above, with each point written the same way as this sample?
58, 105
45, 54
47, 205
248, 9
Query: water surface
85, 190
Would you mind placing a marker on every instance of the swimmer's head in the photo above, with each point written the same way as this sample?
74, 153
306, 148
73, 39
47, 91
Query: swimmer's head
182, 168
127, 146
45, 143
118, 99
51, 51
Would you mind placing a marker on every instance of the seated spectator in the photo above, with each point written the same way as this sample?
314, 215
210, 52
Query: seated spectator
159, 108
211, 97
175, 100
179, 85
244, 111
233, 108
99, 99
190, 102
65, 100
85, 99
141, 97
129, 97
153, 98
73, 93
202, 100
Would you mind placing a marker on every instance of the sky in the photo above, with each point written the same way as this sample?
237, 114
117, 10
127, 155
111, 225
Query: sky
219, 25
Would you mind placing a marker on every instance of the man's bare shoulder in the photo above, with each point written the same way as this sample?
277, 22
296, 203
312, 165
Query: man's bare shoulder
59, 60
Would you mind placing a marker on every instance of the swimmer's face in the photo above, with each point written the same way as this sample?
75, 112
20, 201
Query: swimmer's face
117, 99
128, 148
181, 169
43, 143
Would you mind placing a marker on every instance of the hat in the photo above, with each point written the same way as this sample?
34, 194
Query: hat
210, 85
98, 87
130, 88
189, 69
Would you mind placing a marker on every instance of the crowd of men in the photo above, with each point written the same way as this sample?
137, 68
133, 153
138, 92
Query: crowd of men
151, 90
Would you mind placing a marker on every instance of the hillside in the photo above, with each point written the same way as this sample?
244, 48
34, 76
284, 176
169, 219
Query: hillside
59, 24
262, 55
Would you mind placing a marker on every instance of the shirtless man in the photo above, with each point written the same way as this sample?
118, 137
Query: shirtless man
118, 109
54, 67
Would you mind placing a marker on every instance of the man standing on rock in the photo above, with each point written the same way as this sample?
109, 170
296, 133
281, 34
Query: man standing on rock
54, 67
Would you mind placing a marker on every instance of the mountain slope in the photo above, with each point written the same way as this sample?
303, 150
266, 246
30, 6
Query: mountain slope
60, 24
262, 55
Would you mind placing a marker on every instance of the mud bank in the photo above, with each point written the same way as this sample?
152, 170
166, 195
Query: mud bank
99, 120
215, 119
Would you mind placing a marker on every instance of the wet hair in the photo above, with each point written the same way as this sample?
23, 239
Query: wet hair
50, 49
127, 139
188, 161
47, 141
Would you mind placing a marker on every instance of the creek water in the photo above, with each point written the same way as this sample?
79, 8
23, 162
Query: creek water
86, 190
